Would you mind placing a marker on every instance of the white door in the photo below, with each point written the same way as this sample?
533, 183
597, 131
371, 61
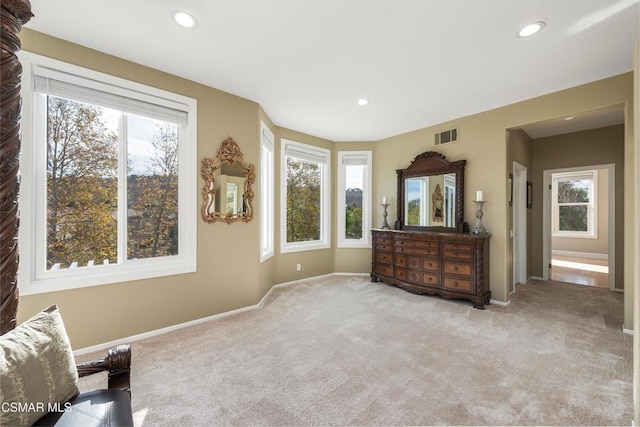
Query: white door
519, 202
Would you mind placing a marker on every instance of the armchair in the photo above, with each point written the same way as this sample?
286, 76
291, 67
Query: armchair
39, 374
105, 407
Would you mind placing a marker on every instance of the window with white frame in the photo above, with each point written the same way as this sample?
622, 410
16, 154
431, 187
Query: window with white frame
305, 218
107, 179
354, 198
267, 193
574, 204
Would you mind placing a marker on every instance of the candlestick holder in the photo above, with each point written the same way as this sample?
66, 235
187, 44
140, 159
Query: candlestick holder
479, 229
385, 224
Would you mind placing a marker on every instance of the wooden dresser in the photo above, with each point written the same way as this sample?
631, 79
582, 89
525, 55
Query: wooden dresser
451, 265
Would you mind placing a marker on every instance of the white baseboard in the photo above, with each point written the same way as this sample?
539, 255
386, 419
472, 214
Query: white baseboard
536, 278
138, 337
627, 331
580, 254
500, 303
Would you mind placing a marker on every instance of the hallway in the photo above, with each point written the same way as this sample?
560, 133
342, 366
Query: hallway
580, 271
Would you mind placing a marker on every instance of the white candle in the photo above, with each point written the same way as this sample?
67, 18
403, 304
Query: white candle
479, 195
384, 200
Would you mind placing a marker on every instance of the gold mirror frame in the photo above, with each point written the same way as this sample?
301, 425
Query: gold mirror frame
228, 154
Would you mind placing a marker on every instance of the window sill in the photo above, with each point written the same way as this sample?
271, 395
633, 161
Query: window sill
105, 275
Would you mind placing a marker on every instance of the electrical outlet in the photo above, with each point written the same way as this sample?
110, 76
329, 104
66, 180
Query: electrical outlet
298, 267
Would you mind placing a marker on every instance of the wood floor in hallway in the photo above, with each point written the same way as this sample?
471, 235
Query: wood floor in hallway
581, 271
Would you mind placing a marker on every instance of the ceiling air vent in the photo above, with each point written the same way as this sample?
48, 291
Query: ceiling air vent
447, 136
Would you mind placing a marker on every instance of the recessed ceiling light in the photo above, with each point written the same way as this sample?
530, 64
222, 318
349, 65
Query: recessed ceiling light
363, 101
568, 118
184, 19
531, 29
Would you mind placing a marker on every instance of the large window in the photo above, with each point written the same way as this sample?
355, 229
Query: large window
267, 193
574, 203
106, 179
304, 197
354, 198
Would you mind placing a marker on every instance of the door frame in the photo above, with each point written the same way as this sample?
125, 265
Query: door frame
546, 219
519, 223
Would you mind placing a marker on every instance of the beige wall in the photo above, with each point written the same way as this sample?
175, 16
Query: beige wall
229, 274
592, 147
483, 144
635, 261
599, 245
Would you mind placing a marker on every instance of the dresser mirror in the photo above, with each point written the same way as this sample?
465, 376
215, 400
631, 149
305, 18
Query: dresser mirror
228, 190
431, 194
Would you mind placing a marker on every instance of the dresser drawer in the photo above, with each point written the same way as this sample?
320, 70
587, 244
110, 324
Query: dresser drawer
416, 250
386, 257
457, 284
430, 279
456, 254
430, 264
384, 269
407, 275
384, 247
460, 268
423, 244
382, 240
457, 247
413, 263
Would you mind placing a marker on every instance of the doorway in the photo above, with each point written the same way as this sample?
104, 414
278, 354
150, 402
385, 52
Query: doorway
579, 225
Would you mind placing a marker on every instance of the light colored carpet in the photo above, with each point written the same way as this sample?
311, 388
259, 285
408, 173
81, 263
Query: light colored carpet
344, 351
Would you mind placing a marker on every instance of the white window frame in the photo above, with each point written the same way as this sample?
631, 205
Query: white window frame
267, 192
325, 180
345, 159
33, 276
592, 221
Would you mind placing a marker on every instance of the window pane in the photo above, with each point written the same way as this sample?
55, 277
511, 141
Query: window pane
355, 175
152, 188
414, 193
573, 218
303, 200
82, 184
574, 191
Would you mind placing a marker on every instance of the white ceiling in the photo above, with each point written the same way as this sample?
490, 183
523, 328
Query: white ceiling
576, 122
307, 62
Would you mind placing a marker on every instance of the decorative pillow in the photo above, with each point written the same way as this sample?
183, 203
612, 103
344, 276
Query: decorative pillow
37, 368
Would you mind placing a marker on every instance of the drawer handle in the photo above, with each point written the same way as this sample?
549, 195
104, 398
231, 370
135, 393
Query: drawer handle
455, 268
455, 284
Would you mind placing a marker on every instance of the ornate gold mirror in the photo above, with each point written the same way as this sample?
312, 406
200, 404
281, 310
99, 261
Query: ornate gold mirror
227, 193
